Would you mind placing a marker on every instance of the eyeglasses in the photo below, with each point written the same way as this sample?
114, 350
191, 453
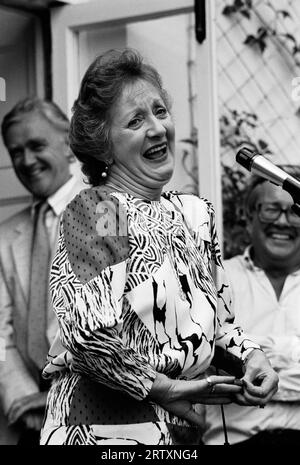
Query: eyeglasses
270, 212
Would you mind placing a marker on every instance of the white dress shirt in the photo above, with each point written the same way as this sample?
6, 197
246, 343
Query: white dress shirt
275, 325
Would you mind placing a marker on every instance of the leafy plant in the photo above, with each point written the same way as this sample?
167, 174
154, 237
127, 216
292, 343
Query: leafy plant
239, 6
238, 128
234, 131
235, 128
267, 30
235, 237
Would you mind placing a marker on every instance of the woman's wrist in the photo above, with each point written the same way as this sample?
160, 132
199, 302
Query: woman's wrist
251, 354
162, 389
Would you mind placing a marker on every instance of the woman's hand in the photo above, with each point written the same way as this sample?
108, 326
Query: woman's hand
260, 381
178, 396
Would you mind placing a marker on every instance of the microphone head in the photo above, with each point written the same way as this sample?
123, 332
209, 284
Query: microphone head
245, 157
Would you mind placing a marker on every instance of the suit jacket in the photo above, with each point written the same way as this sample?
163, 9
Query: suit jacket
17, 373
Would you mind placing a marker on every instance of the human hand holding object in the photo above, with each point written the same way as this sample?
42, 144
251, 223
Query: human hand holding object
260, 381
179, 396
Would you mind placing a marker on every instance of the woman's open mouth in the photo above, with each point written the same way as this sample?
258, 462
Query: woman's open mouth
156, 152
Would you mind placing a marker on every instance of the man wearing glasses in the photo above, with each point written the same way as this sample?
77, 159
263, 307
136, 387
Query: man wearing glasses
265, 283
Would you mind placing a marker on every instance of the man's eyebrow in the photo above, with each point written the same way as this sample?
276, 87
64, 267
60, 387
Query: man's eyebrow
34, 140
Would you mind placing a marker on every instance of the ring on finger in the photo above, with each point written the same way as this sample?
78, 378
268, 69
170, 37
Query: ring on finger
209, 382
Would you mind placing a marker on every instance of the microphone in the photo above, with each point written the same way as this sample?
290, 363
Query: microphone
264, 168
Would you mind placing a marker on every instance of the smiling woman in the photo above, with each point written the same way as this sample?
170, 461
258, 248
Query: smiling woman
142, 136
131, 282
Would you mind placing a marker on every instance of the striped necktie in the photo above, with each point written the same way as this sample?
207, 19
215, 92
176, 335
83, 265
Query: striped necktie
38, 296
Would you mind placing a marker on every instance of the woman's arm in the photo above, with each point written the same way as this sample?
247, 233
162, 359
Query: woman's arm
180, 396
88, 279
260, 382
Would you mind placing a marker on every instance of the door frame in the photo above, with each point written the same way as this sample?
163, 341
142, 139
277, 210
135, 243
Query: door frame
67, 21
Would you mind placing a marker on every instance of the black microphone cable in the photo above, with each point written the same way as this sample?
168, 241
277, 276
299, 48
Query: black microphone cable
226, 442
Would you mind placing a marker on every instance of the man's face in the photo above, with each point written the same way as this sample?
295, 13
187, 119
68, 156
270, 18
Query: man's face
39, 153
275, 241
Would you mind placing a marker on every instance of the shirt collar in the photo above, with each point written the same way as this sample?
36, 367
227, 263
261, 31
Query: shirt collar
248, 260
59, 200
250, 264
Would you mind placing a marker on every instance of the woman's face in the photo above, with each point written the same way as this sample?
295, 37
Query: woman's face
142, 136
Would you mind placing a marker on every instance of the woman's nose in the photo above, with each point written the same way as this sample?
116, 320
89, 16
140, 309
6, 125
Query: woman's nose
156, 128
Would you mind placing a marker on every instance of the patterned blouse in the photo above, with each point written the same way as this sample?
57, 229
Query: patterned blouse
133, 292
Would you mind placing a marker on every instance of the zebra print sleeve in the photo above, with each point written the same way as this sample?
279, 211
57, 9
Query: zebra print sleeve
229, 336
87, 283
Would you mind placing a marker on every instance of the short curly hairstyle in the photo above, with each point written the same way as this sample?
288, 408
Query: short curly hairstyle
100, 88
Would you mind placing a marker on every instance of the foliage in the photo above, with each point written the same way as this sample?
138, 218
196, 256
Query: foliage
239, 6
267, 30
235, 132
238, 128
235, 128
235, 236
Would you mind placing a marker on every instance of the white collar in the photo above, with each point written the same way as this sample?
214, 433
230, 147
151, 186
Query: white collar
59, 200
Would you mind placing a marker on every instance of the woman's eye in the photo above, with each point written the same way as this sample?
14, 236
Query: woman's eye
134, 123
161, 111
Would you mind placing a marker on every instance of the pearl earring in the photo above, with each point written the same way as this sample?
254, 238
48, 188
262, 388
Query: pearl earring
105, 171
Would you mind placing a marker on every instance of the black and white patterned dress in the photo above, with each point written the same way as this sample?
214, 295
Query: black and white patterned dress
133, 292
